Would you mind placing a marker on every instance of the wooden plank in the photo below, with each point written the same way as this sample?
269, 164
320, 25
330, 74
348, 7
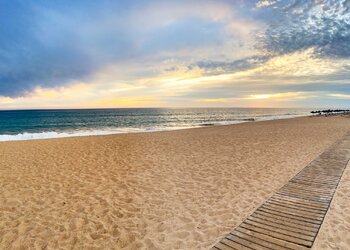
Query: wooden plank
295, 206
234, 245
311, 196
313, 184
293, 221
247, 243
316, 181
309, 203
292, 226
310, 187
305, 196
318, 177
278, 228
280, 243
278, 225
320, 170
310, 182
276, 235
309, 192
319, 173
222, 246
300, 202
306, 215
291, 218
258, 241
305, 191
312, 190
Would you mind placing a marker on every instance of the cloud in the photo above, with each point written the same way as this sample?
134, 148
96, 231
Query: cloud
172, 52
302, 66
341, 96
40, 47
300, 72
89, 96
302, 63
55, 43
260, 100
217, 67
322, 24
264, 3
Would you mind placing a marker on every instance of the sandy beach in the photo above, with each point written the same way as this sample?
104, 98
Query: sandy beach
180, 189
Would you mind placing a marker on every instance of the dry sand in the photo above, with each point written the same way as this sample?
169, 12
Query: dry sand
166, 190
335, 231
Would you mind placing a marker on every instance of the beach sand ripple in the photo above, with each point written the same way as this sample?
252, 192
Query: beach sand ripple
166, 190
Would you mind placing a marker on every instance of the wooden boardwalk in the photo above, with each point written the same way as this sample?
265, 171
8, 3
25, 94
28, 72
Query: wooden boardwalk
292, 217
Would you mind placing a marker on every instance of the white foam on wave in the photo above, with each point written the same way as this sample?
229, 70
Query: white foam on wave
257, 119
54, 134
279, 117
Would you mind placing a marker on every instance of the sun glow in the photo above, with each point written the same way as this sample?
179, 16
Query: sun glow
104, 89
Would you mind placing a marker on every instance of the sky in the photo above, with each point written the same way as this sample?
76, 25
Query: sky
183, 53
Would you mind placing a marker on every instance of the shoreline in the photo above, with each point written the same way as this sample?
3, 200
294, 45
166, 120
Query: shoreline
25, 136
183, 189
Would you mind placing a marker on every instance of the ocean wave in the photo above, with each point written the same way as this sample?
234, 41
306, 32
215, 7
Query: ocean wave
53, 134
110, 131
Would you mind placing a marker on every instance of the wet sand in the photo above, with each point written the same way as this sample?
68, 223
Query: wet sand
166, 190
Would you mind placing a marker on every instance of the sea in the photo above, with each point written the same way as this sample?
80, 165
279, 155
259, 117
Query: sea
42, 124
